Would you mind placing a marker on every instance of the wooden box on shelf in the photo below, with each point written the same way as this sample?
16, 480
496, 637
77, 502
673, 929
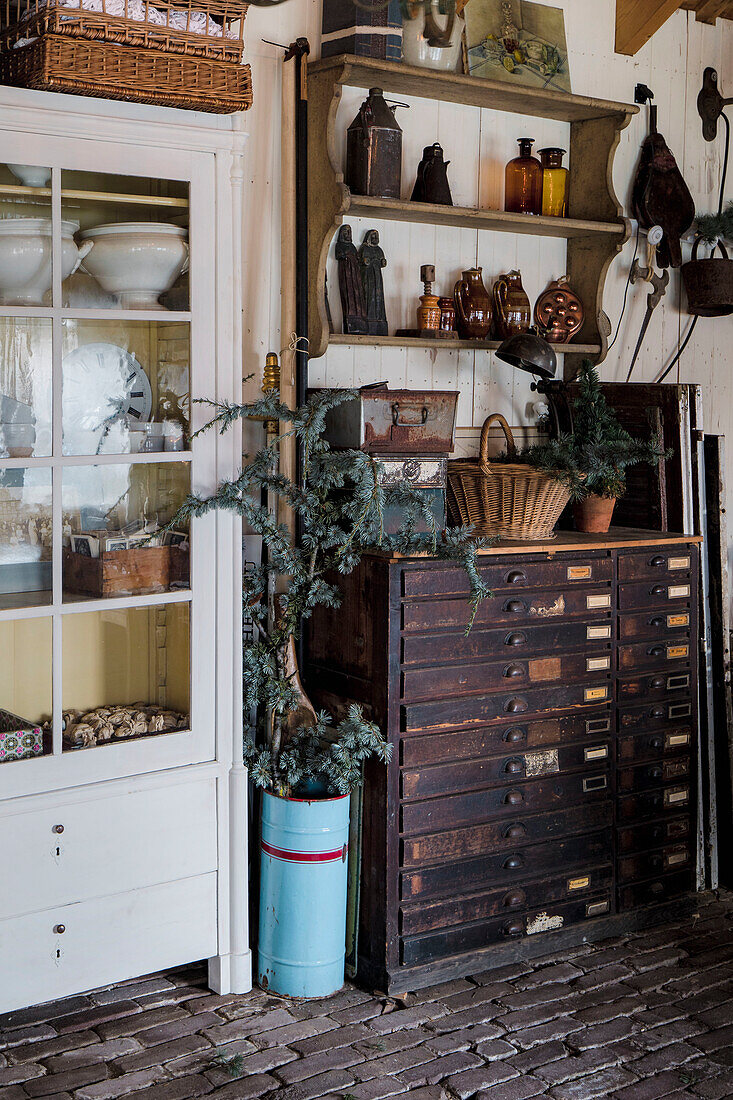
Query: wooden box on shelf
126, 572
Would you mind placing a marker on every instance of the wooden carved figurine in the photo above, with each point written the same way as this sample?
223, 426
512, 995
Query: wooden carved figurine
372, 260
353, 304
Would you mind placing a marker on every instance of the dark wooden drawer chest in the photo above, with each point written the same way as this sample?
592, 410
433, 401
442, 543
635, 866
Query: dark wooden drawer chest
543, 777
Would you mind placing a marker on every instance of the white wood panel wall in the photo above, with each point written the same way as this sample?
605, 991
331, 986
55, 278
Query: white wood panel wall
478, 144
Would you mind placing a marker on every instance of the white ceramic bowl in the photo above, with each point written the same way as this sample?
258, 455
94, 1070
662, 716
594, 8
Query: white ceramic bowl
25, 258
32, 175
416, 50
137, 261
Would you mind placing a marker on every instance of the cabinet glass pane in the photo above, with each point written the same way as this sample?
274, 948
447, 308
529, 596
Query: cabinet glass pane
126, 674
134, 236
25, 689
111, 516
26, 238
125, 386
25, 537
25, 387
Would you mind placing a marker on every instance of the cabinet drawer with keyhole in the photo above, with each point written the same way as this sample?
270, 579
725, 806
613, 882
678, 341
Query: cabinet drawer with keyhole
653, 803
466, 710
654, 834
666, 563
514, 609
673, 857
449, 581
656, 685
655, 746
527, 641
656, 890
665, 593
657, 625
449, 681
657, 715
672, 653
643, 777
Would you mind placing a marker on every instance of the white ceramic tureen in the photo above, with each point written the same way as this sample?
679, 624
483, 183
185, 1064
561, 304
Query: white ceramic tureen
137, 261
25, 258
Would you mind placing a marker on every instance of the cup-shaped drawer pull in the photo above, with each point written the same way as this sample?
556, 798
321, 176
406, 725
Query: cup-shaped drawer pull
514, 899
512, 672
514, 767
677, 683
657, 562
656, 888
656, 742
655, 772
515, 576
515, 832
514, 863
658, 590
657, 832
656, 712
58, 829
516, 733
513, 928
516, 705
658, 621
515, 638
514, 607
59, 929
513, 798
656, 861
595, 783
656, 651
657, 682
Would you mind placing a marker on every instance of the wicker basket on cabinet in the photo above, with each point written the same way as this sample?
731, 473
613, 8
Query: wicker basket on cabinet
508, 500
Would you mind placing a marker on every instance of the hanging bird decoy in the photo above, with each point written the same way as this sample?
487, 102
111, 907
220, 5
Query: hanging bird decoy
660, 195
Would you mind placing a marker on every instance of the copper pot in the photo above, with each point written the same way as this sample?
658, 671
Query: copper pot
593, 514
558, 313
473, 306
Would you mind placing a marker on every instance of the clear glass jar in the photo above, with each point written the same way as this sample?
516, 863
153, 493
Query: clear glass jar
554, 183
523, 181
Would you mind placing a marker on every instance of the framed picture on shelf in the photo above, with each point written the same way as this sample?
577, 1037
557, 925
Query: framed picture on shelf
518, 42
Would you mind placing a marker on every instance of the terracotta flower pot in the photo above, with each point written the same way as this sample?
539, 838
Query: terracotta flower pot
593, 514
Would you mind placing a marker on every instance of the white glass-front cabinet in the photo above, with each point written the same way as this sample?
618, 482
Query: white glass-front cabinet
122, 795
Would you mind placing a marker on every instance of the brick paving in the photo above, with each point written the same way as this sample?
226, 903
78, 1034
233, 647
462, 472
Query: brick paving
643, 1017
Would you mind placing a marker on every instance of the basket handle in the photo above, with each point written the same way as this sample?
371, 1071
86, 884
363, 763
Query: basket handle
719, 245
511, 449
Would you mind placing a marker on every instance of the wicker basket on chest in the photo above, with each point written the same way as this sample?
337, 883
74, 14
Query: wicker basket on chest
509, 500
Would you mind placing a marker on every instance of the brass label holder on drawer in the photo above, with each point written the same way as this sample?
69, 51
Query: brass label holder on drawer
597, 664
581, 883
595, 783
677, 796
598, 633
598, 725
679, 710
597, 752
675, 652
594, 603
595, 694
679, 563
677, 683
673, 740
579, 572
597, 908
678, 591
674, 859
682, 619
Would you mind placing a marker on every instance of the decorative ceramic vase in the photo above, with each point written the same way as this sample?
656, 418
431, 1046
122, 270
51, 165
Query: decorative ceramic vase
558, 312
25, 258
473, 306
137, 261
420, 45
512, 310
523, 181
447, 314
593, 514
554, 183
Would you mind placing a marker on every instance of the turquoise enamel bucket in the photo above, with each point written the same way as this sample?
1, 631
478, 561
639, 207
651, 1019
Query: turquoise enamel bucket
303, 883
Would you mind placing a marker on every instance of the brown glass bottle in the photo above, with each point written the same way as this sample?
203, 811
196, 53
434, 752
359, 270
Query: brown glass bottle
554, 183
523, 181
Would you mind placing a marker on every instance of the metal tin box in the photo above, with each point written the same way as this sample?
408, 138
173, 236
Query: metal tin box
397, 422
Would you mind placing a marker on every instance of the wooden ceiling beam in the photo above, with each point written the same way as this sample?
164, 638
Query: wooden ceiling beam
638, 20
708, 11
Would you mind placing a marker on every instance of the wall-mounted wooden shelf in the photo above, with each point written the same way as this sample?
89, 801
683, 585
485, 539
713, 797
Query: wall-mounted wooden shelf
595, 232
28, 193
449, 344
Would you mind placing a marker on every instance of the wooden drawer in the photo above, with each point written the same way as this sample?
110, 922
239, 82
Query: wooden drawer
530, 797
666, 563
656, 685
656, 890
438, 779
513, 736
644, 777
668, 654
645, 865
657, 625
666, 593
534, 639
638, 838
472, 937
107, 939
450, 581
654, 746
656, 803
90, 847
509, 608
479, 709
509, 673
655, 716
505, 868
460, 909
503, 836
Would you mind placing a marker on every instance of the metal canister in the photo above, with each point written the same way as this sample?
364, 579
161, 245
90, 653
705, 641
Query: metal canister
374, 149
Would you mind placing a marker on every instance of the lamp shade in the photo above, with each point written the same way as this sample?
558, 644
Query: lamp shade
529, 352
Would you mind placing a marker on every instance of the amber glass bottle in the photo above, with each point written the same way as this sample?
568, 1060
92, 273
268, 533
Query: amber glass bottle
554, 183
523, 181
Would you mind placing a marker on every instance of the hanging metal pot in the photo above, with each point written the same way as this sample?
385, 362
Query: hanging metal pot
709, 283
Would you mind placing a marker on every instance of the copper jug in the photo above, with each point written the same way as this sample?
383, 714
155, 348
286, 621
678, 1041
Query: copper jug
473, 306
512, 311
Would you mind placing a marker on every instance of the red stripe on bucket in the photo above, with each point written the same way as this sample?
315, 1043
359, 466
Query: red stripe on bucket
303, 857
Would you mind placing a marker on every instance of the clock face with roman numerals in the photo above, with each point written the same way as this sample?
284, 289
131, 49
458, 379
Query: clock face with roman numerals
105, 393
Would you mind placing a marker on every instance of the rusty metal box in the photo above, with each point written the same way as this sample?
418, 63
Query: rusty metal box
400, 422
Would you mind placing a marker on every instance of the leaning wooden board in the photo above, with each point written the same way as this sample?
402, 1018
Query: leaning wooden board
542, 785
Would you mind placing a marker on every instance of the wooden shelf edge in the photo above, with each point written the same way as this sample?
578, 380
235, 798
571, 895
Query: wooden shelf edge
466, 217
393, 76
450, 344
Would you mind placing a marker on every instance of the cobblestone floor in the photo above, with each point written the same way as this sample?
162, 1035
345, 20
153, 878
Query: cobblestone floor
639, 1018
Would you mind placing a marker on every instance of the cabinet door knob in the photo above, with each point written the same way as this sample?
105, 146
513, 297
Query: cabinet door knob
516, 638
513, 928
514, 767
514, 899
512, 671
513, 798
515, 831
59, 929
657, 561
516, 733
515, 706
657, 590
516, 607
58, 829
655, 651
516, 576
514, 863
